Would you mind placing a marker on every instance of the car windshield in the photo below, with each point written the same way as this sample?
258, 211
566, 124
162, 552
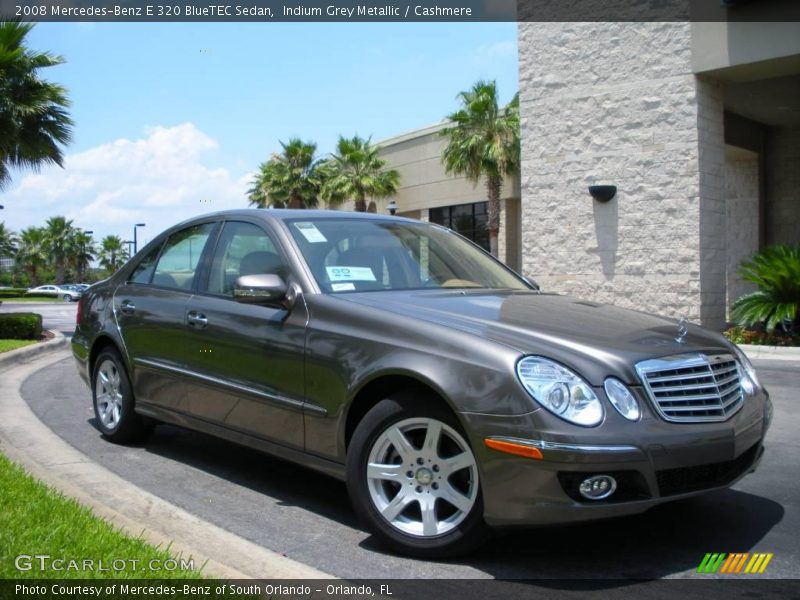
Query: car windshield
354, 255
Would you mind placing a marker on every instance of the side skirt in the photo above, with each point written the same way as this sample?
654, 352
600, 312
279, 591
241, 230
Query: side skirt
323, 465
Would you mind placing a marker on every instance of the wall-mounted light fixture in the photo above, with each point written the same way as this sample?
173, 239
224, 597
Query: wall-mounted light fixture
392, 206
603, 193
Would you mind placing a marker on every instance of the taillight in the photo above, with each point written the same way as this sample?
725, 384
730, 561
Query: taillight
81, 310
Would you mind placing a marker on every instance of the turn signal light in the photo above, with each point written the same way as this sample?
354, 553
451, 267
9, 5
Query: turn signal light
512, 448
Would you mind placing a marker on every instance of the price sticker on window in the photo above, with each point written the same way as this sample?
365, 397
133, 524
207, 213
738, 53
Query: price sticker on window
350, 274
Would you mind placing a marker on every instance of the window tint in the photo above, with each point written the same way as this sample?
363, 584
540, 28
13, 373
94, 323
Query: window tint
243, 249
144, 270
178, 262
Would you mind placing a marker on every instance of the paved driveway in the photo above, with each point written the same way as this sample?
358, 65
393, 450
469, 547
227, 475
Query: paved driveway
307, 516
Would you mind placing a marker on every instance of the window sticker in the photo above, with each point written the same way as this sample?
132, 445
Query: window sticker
350, 274
343, 287
310, 232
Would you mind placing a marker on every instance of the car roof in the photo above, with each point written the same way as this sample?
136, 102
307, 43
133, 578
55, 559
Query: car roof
285, 214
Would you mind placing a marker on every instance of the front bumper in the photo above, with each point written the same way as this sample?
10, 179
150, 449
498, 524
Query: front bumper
653, 461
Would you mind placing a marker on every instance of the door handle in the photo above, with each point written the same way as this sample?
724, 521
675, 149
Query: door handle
127, 307
196, 320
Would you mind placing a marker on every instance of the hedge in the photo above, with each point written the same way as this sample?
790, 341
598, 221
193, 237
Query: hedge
20, 326
12, 292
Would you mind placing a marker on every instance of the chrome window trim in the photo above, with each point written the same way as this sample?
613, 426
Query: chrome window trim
689, 360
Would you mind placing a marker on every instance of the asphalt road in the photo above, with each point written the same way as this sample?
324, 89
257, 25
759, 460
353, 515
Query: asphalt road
58, 316
308, 517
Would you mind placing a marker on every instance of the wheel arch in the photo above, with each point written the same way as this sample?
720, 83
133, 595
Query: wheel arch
383, 385
102, 342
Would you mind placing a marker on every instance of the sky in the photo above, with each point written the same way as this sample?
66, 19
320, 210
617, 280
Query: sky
172, 119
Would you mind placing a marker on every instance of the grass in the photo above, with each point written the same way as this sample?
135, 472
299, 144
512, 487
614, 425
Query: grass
8, 345
36, 520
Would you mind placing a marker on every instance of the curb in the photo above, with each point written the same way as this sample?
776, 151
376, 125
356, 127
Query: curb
30, 443
770, 352
28, 353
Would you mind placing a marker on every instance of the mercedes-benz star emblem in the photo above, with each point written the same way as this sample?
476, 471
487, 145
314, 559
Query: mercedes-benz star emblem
682, 330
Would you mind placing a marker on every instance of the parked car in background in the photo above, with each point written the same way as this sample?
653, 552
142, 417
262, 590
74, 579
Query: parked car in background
68, 293
448, 392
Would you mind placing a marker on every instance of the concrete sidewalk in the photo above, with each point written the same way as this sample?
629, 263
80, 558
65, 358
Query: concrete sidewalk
27, 441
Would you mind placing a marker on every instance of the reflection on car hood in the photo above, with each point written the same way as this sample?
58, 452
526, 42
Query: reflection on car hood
557, 326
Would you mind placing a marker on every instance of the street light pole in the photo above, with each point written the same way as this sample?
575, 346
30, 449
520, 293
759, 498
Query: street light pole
135, 245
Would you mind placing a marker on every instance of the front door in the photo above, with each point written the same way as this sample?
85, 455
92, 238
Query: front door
150, 311
245, 368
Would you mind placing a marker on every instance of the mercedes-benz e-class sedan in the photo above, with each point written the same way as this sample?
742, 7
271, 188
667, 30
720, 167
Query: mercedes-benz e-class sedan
450, 393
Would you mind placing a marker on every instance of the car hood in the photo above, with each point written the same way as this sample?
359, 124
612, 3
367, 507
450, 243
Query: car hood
589, 336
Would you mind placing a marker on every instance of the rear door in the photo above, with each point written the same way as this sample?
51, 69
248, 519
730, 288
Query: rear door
245, 366
150, 309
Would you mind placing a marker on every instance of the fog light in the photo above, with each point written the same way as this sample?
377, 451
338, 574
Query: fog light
598, 487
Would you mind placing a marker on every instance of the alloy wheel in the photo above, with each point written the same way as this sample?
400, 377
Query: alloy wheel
422, 477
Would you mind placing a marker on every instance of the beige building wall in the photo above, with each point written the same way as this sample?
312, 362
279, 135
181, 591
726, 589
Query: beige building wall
593, 111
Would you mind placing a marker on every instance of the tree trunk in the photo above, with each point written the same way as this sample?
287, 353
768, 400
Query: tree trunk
59, 271
295, 201
493, 187
361, 204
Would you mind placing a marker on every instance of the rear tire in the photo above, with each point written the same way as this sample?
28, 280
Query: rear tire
112, 396
413, 478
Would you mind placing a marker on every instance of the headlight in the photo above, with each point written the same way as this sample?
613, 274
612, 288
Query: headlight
560, 391
622, 399
749, 378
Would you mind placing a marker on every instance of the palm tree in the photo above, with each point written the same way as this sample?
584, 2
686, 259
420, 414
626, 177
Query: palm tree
776, 272
113, 253
32, 252
484, 143
82, 254
357, 172
289, 179
33, 112
60, 243
8, 241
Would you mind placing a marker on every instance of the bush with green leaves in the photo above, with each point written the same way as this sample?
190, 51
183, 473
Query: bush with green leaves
20, 326
12, 292
776, 272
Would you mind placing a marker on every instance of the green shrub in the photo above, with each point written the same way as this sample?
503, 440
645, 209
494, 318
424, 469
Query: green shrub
12, 292
20, 326
776, 272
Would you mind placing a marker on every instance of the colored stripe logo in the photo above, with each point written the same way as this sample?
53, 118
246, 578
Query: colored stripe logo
735, 563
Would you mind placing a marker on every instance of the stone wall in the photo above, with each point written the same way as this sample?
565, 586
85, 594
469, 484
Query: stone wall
617, 103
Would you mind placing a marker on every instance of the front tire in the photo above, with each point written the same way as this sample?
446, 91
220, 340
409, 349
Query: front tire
112, 396
413, 479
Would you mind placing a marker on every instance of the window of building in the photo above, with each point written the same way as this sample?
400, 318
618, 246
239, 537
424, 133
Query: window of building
470, 220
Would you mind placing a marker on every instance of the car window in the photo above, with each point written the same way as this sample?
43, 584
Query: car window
178, 261
243, 249
347, 255
144, 270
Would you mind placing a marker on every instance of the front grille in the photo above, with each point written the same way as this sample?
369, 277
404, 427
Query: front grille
702, 477
692, 388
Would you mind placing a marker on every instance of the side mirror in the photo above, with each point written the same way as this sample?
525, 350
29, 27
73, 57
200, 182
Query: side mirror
260, 289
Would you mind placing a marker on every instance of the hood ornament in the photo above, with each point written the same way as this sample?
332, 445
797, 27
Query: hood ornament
682, 329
